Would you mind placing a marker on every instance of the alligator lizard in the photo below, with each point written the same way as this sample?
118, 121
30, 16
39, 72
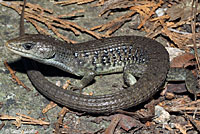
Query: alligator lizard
143, 56
133, 55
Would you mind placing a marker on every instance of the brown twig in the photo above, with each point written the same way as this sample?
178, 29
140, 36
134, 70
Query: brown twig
193, 25
113, 124
145, 8
14, 77
2, 125
60, 119
113, 25
49, 106
68, 2
150, 14
36, 14
188, 107
23, 119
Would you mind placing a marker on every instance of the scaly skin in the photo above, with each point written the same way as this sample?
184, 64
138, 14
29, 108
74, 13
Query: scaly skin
82, 57
131, 54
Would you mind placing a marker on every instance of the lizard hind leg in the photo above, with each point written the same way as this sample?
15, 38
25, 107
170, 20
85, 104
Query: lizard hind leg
131, 71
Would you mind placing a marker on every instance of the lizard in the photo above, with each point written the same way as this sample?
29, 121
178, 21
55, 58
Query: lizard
133, 55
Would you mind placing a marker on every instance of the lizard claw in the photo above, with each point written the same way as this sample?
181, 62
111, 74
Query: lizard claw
76, 87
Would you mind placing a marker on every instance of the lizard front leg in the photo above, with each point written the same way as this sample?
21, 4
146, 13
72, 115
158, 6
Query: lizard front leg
88, 76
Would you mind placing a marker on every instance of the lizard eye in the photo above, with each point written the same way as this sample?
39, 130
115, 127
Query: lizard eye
28, 46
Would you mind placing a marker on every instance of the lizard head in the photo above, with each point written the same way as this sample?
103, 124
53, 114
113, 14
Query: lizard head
33, 46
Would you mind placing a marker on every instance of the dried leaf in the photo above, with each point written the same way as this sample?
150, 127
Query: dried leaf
128, 122
176, 88
182, 60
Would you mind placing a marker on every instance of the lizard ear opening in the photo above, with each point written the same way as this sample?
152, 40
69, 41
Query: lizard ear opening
28, 46
53, 56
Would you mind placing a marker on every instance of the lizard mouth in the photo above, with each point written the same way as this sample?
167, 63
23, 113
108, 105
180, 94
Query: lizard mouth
20, 52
